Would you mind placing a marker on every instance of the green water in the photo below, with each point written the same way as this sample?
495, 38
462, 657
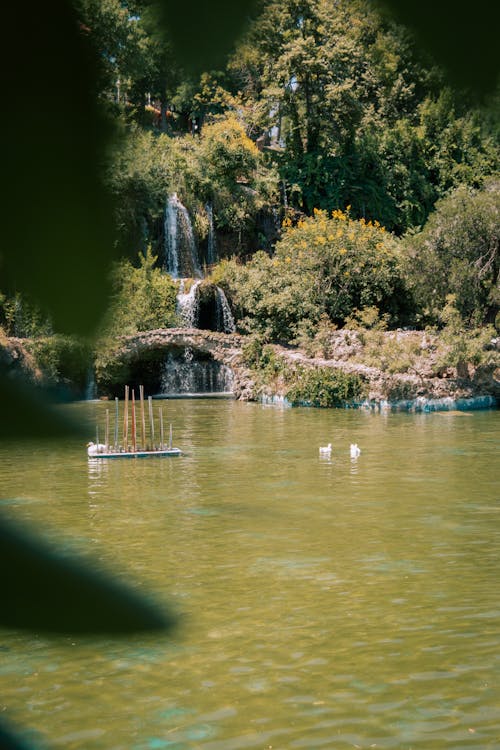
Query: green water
325, 603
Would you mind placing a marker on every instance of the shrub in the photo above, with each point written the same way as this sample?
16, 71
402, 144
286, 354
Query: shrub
144, 298
323, 266
457, 252
316, 340
22, 319
323, 386
459, 347
63, 360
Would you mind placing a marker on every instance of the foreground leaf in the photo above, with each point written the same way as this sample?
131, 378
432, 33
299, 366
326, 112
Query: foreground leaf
43, 590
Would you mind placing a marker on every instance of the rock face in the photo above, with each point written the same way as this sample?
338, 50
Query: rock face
403, 366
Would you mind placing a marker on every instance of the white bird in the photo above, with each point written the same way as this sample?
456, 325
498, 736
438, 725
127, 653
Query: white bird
325, 450
94, 448
355, 451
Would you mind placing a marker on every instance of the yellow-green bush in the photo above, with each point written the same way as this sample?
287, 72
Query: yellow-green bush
325, 265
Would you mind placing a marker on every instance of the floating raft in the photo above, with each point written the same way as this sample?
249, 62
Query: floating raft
134, 454
133, 445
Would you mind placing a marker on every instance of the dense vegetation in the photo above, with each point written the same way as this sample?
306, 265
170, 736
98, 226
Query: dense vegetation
323, 266
344, 174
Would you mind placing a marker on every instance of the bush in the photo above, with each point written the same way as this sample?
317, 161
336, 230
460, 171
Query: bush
144, 298
459, 347
22, 319
323, 386
316, 340
324, 266
457, 252
63, 360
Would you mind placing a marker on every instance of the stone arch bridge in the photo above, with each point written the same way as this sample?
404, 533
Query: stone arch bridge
139, 359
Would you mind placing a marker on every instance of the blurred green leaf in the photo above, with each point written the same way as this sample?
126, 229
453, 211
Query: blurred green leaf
10, 741
45, 591
463, 40
203, 33
26, 414
56, 237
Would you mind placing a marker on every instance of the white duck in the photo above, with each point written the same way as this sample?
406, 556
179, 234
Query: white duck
355, 451
94, 448
325, 450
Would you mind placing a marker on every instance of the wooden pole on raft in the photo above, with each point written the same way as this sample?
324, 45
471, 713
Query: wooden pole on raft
151, 422
170, 439
106, 436
161, 429
97, 437
134, 436
125, 421
116, 424
143, 420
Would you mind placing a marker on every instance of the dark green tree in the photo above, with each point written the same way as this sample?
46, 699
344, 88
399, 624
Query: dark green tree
458, 253
352, 103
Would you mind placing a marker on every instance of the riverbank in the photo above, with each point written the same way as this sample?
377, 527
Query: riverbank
401, 370
379, 370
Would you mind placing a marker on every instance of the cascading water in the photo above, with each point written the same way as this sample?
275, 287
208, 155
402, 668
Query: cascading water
187, 304
225, 320
90, 387
188, 373
181, 256
211, 246
185, 375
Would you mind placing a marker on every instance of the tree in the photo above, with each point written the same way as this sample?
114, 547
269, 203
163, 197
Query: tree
354, 105
457, 252
144, 298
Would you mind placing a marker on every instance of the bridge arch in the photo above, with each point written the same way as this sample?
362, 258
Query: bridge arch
169, 360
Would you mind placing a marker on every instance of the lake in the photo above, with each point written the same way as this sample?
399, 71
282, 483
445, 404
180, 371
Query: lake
324, 602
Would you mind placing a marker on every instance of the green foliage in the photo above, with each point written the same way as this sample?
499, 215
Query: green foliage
460, 346
457, 252
228, 154
316, 340
315, 386
324, 386
222, 167
232, 174
63, 361
141, 173
21, 318
252, 350
365, 120
346, 263
132, 51
324, 266
144, 298
392, 351
367, 318
266, 299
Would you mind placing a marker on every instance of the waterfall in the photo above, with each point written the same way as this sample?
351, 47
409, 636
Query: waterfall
170, 224
209, 310
186, 375
187, 304
90, 388
225, 320
181, 256
211, 248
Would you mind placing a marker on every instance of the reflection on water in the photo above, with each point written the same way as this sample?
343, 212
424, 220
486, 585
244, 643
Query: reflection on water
326, 602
